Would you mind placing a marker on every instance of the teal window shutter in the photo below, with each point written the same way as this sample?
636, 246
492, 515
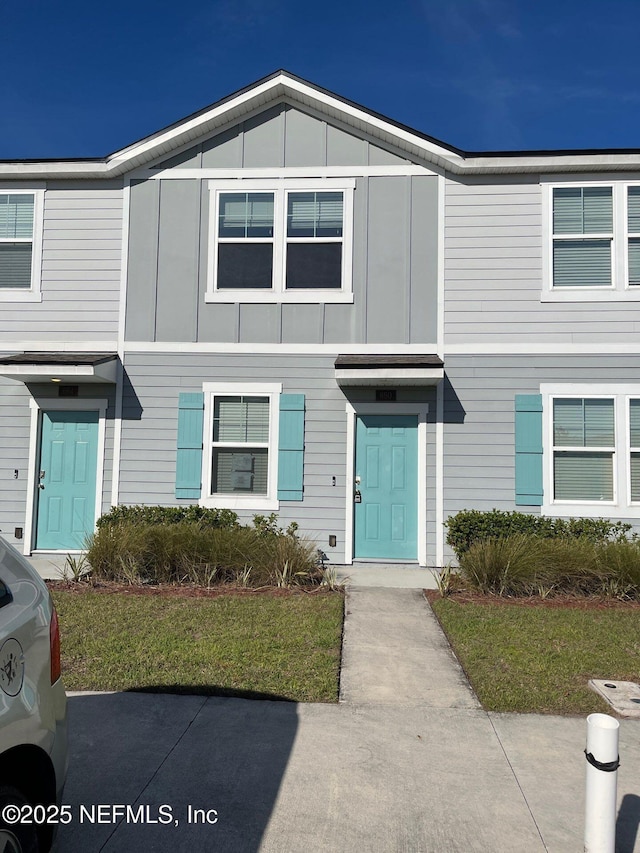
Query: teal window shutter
189, 457
528, 434
291, 447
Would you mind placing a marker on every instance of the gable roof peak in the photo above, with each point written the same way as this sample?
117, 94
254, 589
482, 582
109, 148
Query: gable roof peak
286, 87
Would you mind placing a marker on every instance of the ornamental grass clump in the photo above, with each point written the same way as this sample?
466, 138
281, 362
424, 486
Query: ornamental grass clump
524, 565
188, 551
619, 564
506, 566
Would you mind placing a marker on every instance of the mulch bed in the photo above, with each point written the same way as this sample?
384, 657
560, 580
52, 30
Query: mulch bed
181, 590
559, 600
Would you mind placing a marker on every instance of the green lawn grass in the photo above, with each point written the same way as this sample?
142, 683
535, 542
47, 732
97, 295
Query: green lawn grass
285, 646
539, 659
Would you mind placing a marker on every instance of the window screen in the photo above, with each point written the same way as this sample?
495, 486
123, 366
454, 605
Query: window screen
582, 261
583, 471
245, 241
16, 239
240, 453
314, 240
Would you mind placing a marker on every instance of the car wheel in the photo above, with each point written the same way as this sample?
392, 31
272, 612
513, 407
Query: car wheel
15, 837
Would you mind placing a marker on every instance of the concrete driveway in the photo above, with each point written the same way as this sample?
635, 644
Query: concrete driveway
406, 762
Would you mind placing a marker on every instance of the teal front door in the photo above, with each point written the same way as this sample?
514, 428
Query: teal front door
386, 508
66, 479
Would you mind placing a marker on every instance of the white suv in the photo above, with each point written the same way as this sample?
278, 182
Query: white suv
33, 708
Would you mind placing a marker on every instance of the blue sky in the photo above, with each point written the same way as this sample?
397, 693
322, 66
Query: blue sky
82, 79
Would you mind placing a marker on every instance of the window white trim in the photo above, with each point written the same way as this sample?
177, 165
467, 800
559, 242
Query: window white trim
629, 449
272, 390
619, 289
31, 294
280, 189
620, 506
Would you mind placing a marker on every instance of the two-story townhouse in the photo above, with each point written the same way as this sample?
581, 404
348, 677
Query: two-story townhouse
287, 303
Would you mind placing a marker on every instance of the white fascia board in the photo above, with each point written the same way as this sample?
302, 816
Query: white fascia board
20, 170
549, 164
79, 373
140, 153
285, 87
191, 129
387, 130
389, 376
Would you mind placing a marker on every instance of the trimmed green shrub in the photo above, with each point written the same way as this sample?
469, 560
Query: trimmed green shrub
212, 518
471, 526
267, 525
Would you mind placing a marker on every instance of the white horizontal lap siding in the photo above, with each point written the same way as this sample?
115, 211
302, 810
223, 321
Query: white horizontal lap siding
80, 273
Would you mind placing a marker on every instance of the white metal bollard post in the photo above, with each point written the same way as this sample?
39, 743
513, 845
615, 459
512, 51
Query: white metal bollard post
602, 783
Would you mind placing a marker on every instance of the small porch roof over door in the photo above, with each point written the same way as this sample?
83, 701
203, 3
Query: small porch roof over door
359, 370
76, 367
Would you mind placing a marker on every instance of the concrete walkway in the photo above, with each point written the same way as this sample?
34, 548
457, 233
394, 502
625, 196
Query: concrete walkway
394, 653
407, 761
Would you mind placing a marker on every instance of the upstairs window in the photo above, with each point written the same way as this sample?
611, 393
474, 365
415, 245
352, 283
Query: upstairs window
582, 236
633, 230
593, 242
290, 243
314, 240
20, 245
16, 240
245, 241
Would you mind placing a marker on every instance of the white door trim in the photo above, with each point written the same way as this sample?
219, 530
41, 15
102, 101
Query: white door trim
419, 409
38, 405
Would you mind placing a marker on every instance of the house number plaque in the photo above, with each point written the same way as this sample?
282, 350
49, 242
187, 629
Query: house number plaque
386, 395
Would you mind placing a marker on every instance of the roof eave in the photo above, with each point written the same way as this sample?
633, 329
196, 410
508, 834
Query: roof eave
550, 163
284, 86
281, 86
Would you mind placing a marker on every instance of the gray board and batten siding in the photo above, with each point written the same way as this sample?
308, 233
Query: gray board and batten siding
81, 267
148, 461
493, 273
395, 242
283, 136
14, 446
